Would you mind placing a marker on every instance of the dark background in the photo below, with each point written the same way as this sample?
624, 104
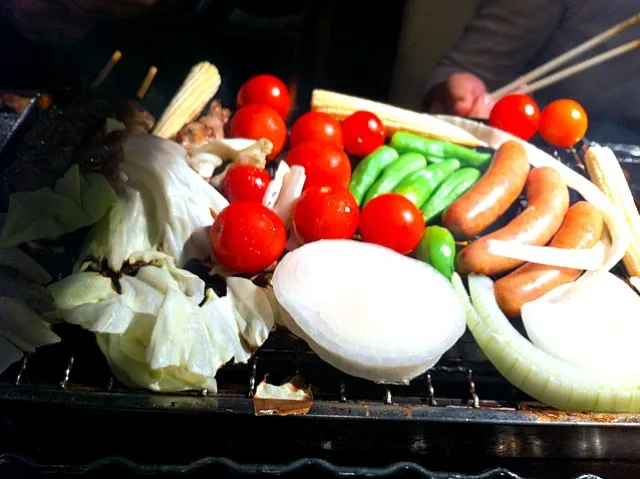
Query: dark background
346, 46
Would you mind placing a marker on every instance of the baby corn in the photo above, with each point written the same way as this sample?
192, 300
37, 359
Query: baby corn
393, 118
196, 91
605, 172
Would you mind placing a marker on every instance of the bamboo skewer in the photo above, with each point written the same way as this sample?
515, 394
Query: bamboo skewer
115, 58
565, 57
146, 83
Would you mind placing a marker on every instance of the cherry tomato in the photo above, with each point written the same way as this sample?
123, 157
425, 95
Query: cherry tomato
325, 212
247, 237
563, 123
324, 164
393, 221
363, 132
316, 126
245, 183
516, 114
265, 90
260, 121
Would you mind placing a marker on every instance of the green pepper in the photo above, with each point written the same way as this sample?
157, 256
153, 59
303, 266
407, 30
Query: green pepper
393, 174
438, 248
450, 190
419, 186
404, 141
369, 169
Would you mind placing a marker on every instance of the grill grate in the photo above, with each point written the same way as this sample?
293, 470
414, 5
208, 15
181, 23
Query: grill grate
77, 365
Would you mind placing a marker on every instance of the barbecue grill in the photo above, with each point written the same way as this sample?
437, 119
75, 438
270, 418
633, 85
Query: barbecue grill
60, 409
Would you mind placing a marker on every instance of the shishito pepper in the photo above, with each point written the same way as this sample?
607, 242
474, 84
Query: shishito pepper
369, 169
438, 248
450, 190
404, 142
419, 186
393, 174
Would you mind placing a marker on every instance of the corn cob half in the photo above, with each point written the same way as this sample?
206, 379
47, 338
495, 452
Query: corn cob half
606, 173
196, 91
393, 118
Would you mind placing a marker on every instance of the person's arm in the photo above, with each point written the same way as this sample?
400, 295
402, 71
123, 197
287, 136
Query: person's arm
497, 47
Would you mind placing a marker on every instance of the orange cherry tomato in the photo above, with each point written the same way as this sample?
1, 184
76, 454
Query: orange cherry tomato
316, 126
325, 212
324, 164
516, 114
563, 123
260, 121
245, 183
247, 237
393, 221
265, 90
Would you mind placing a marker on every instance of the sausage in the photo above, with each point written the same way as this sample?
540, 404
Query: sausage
548, 202
492, 195
581, 228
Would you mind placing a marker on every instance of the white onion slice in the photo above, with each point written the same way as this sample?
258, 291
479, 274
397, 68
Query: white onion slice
582, 329
273, 190
590, 259
367, 310
537, 373
292, 185
614, 219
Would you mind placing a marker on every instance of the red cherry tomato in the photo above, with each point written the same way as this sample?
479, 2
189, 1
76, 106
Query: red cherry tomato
260, 121
363, 132
393, 221
516, 114
245, 183
265, 90
324, 164
325, 212
316, 126
247, 237
563, 123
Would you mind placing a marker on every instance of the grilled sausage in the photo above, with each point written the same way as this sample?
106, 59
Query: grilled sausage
548, 202
492, 195
581, 228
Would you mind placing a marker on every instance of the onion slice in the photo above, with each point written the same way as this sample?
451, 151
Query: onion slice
292, 185
589, 259
368, 310
581, 329
537, 373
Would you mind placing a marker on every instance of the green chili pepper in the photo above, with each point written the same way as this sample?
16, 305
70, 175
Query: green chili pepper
393, 174
450, 190
369, 169
419, 186
438, 248
404, 141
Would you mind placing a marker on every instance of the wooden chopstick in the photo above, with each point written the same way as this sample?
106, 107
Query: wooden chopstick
565, 57
567, 72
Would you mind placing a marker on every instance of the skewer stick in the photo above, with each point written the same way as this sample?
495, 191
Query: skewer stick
146, 83
565, 57
115, 58
562, 74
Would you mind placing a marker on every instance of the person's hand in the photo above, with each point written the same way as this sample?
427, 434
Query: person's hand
463, 94
67, 20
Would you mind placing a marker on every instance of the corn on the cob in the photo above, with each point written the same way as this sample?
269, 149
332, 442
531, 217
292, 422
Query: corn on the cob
606, 173
196, 91
393, 118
